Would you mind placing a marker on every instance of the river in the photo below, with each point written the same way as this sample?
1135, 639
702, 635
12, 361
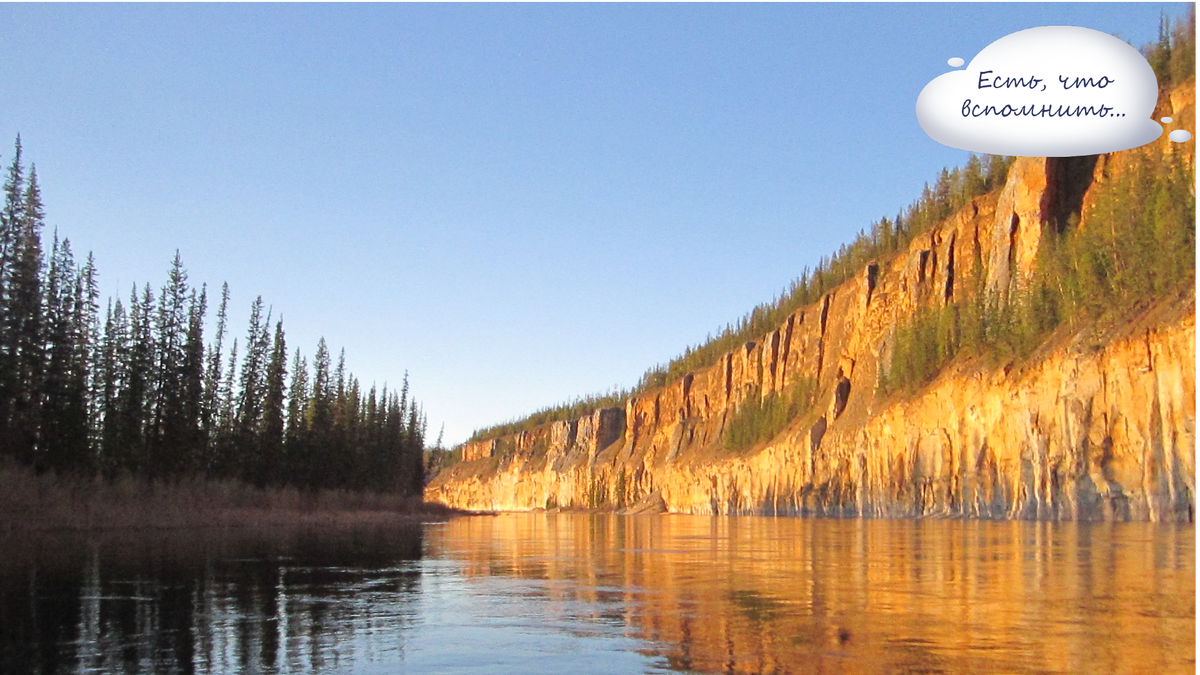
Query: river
570, 594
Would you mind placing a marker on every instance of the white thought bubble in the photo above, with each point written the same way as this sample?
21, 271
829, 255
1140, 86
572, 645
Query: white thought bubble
1053, 91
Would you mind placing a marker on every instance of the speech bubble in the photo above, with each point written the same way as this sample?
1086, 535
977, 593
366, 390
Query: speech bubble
1052, 91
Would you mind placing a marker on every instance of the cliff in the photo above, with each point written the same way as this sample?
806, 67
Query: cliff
1098, 423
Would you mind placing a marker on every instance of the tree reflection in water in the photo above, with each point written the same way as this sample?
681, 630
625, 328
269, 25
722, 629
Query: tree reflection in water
204, 602
579, 593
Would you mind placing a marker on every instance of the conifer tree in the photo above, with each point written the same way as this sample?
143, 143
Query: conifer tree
320, 436
213, 402
87, 311
11, 218
111, 373
974, 181
64, 420
223, 455
296, 445
143, 395
253, 364
24, 324
271, 436
135, 404
168, 442
297, 396
190, 431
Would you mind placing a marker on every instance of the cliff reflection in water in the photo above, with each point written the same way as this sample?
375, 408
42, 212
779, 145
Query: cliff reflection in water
204, 602
581, 594
761, 595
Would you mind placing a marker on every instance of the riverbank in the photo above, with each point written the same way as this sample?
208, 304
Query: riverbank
32, 502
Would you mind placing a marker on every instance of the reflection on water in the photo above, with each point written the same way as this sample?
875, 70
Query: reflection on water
761, 595
566, 593
203, 602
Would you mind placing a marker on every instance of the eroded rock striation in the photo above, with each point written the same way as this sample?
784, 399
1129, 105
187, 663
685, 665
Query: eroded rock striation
1092, 426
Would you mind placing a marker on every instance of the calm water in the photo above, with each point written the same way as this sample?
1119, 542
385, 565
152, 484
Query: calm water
574, 594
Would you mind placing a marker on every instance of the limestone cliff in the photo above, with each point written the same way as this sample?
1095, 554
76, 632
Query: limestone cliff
1098, 424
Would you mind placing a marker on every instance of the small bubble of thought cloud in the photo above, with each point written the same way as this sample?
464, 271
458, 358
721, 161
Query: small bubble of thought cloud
1053, 91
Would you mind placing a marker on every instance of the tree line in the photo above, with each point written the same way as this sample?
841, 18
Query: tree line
137, 390
953, 189
1133, 247
1080, 273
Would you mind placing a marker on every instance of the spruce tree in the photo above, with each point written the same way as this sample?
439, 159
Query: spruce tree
271, 437
111, 374
169, 434
296, 441
250, 397
11, 219
135, 404
321, 413
64, 418
223, 454
213, 402
190, 431
24, 325
87, 314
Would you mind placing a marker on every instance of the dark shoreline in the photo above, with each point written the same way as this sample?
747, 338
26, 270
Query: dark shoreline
49, 503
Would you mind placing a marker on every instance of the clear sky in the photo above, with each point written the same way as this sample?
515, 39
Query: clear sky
517, 204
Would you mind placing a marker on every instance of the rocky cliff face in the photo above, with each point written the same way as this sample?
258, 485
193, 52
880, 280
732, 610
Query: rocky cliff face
1091, 427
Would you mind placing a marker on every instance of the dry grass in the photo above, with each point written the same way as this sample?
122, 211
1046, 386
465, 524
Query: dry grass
47, 502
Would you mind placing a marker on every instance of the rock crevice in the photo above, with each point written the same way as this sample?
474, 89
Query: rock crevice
1082, 431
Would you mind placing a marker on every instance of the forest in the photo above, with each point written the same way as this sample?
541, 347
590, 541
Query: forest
1139, 248
136, 391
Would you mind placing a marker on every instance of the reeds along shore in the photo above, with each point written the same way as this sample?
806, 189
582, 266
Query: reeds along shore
33, 502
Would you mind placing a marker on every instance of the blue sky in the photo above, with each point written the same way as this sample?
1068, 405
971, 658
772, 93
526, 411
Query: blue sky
517, 204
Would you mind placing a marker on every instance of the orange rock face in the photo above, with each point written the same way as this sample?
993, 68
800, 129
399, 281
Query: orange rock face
1081, 431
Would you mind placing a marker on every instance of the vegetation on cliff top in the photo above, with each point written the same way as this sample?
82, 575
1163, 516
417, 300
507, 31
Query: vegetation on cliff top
1135, 245
573, 409
954, 189
1145, 249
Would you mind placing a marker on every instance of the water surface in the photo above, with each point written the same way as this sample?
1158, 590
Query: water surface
578, 593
